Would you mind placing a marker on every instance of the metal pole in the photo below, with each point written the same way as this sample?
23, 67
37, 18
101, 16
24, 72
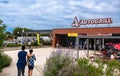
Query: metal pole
77, 46
94, 46
103, 43
99, 47
87, 47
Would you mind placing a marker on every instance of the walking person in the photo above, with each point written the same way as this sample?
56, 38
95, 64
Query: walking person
30, 58
21, 61
29, 44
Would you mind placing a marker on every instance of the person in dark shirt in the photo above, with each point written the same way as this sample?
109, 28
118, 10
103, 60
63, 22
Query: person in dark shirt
21, 61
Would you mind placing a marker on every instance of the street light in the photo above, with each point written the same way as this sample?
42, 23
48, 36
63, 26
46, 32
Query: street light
18, 33
22, 32
22, 36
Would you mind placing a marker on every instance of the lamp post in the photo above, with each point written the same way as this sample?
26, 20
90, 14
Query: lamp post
22, 32
22, 36
18, 33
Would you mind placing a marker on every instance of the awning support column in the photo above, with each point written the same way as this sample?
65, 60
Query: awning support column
77, 46
94, 46
87, 47
103, 41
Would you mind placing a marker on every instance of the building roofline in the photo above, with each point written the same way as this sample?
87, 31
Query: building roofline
84, 28
38, 31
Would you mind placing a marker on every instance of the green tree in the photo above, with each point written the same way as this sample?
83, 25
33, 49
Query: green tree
9, 35
1, 22
2, 32
4, 59
18, 31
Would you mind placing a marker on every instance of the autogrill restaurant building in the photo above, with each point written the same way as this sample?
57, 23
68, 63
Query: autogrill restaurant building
91, 36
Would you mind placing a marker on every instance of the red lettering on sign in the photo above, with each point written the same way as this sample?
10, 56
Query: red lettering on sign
77, 23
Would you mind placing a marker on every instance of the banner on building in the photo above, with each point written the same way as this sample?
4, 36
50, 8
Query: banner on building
109, 34
72, 34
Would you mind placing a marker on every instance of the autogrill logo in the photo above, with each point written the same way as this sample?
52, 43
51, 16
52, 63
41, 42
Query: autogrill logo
77, 23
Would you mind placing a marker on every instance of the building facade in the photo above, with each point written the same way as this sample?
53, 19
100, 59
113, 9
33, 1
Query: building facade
102, 34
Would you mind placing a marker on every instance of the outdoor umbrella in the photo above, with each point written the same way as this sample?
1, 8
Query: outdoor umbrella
117, 46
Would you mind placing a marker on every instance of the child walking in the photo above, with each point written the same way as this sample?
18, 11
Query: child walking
31, 57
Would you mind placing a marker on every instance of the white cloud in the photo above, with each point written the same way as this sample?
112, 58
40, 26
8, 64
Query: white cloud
55, 13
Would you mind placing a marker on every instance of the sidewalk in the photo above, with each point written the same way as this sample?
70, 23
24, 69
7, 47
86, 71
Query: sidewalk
41, 55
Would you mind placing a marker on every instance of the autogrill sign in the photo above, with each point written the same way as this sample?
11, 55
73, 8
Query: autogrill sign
77, 23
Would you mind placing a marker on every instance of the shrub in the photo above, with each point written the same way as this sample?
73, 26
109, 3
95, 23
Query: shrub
113, 68
61, 63
56, 62
5, 60
88, 69
81, 68
71, 70
13, 45
34, 43
46, 42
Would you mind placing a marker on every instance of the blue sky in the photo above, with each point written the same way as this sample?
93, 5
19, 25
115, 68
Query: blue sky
50, 14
